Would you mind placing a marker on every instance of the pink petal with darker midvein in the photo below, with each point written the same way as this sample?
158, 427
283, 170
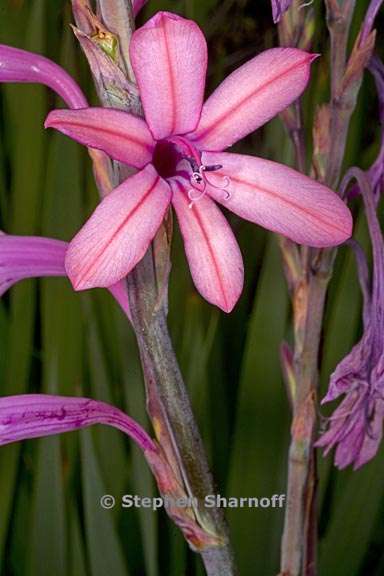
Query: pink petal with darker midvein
21, 66
169, 57
251, 96
36, 415
280, 199
119, 134
119, 231
213, 254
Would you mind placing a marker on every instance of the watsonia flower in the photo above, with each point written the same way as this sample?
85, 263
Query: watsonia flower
178, 152
355, 428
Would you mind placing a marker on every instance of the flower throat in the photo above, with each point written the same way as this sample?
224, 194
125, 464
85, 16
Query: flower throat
176, 156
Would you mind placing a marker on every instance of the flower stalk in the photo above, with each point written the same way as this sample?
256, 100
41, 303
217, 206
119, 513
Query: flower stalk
168, 403
298, 552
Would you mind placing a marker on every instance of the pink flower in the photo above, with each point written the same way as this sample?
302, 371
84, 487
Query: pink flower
178, 150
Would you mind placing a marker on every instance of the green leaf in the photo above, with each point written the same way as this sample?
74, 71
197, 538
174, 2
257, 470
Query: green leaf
103, 544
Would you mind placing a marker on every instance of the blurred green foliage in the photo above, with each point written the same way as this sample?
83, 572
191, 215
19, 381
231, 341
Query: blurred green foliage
54, 340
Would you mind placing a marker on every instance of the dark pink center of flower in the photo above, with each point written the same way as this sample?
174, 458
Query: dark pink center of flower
166, 157
176, 156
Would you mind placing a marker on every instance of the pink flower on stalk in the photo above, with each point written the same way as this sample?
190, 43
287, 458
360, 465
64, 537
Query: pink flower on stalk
178, 151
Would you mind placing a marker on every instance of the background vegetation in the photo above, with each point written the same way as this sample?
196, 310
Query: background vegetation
53, 340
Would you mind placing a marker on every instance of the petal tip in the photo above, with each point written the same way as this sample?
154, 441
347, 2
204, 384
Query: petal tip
314, 56
50, 121
159, 17
347, 228
228, 307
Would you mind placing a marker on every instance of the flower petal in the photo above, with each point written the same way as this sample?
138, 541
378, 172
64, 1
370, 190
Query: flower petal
279, 199
21, 66
29, 257
251, 96
36, 415
119, 231
213, 254
169, 57
122, 136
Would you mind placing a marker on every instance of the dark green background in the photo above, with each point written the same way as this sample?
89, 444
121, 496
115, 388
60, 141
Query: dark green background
56, 341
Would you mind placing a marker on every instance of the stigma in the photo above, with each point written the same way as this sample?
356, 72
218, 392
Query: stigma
200, 180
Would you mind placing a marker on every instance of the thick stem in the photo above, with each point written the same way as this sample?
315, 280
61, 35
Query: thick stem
309, 294
339, 16
298, 544
169, 406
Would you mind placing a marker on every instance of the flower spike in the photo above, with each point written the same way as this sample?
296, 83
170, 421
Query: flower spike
356, 427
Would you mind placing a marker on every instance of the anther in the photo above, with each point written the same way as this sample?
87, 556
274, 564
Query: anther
212, 168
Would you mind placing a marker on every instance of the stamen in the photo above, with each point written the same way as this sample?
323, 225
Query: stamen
225, 184
199, 177
199, 180
212, 168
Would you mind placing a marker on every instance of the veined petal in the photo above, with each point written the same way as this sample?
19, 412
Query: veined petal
280, 199
36, 415
213, 254
122, 136
169, 57
252, 95
21, 66
29, 257
119, 231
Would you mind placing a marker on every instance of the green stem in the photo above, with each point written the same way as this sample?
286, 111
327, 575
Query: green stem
168, 402
169, 406
309, 296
